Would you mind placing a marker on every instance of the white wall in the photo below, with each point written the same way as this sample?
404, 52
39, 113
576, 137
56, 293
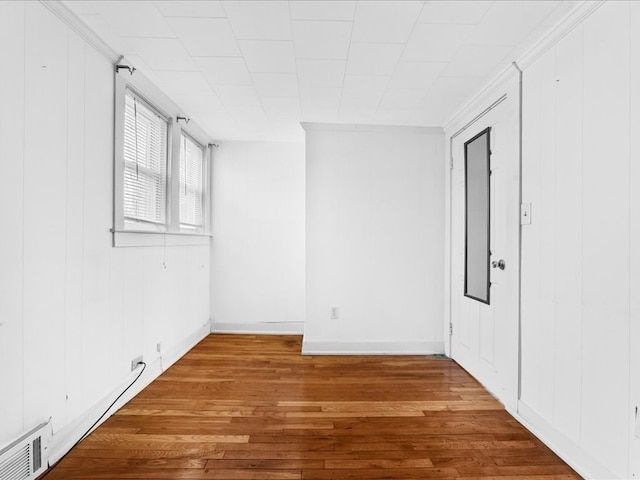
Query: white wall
580, 256
257, 256
74, 311
374, 239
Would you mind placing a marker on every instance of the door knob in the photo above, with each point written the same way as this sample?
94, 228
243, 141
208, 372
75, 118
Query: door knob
499, 264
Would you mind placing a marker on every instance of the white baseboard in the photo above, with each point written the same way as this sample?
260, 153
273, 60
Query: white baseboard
265, 328
64, 440
568, 450
372, 348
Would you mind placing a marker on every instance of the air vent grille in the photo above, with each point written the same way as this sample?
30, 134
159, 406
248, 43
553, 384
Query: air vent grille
26, 457
37, 454
17, 466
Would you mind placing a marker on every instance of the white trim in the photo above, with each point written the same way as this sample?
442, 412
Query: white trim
568, 450
372, 348
574, 18
566, 25
63, 12
62, 441
482, 98
346, 127
264, 328
181, 349
158, 239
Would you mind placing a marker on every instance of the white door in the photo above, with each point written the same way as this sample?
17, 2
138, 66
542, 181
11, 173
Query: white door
484, 337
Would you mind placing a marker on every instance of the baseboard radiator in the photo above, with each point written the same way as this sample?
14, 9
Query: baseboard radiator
25, 458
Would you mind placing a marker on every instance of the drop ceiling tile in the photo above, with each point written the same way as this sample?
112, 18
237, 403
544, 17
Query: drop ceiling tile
322, 10
205, 37
186, 8
221, 128
401, 98
268, 56
362, 92
142, 67
366, 105
443, 99
282, 108
468, 12
392, 116
473, 61
416, 74
138, 19
183, 82
361, 114
321, 73
162, 53
321, 40
247, 114
237, 96
435, 43
320, 104
385, 22
259, 20
534, 37
427, 118
105, 32
224, 70
365, 85
373, 58
194, 104
508, 23
276, 84
258, 131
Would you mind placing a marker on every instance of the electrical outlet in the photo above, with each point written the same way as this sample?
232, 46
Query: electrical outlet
159, 347
135, 362
335, 313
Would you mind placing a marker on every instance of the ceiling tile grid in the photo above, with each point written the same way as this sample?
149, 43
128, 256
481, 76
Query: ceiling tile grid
255, 69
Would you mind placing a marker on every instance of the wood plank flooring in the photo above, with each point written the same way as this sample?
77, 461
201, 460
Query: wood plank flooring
251, 407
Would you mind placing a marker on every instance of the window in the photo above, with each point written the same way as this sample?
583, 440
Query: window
145, 164
160, 168
191, 173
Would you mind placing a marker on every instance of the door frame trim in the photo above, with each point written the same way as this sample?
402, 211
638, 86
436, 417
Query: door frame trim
449, 207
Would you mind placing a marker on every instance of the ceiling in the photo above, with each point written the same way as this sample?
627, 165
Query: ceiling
253, 70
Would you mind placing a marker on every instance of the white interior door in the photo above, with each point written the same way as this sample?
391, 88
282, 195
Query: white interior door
484, 331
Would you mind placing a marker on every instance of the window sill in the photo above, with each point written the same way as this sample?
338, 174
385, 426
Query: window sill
141, 238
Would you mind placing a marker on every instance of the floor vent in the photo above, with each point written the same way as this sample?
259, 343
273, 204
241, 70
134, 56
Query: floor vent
23, 459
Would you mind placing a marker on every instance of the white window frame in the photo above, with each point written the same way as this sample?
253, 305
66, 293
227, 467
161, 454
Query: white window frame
132, 233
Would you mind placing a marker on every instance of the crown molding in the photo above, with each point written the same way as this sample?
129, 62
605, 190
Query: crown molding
489, 89
574, 18
74, 22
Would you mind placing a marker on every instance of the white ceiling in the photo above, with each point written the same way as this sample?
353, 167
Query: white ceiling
253, 70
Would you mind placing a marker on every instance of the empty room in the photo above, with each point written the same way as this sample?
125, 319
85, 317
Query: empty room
320, 239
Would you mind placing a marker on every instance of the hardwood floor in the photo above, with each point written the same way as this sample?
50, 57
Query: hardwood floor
252, 407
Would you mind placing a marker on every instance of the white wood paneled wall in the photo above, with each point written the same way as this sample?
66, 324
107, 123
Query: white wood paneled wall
73, 310
580, 268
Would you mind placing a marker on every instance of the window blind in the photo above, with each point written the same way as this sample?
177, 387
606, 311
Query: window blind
145, 162
191, 184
